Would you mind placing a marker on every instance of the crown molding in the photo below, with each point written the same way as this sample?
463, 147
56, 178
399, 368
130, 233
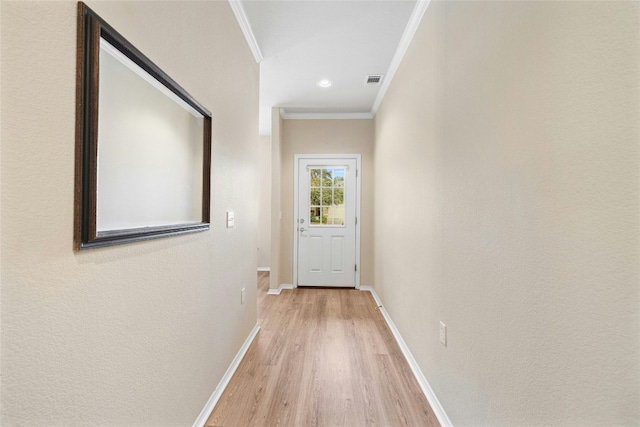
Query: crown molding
405, 41
243, 21
324, 116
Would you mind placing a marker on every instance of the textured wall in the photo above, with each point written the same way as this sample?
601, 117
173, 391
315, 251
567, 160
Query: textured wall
264, 203
137, 334
509, 141
327, 137
276, 161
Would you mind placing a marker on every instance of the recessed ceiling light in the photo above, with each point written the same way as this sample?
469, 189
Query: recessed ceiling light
324, 83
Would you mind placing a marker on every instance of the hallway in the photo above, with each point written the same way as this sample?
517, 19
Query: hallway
323, 357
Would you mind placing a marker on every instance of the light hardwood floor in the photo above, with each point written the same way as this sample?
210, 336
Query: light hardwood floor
323, 357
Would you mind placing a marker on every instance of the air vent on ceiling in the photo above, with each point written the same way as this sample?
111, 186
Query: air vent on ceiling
374, 80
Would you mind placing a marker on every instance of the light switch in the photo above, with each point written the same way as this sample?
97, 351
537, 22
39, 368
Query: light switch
230, 219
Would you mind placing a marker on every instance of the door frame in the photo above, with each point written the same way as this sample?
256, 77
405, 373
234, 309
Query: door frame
296, 161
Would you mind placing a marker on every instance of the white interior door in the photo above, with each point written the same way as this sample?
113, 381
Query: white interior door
326, 222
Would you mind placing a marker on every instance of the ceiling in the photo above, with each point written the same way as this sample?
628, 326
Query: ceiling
299, 43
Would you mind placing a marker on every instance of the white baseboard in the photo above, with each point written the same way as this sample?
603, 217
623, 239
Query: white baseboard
264, 268
417, 372
280, 288
217, 393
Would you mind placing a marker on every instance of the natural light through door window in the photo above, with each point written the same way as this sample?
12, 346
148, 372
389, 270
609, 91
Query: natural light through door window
326, 196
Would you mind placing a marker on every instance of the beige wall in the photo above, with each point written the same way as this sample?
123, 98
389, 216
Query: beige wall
136, 334
276, 165
264, 203
327, 137
509, 137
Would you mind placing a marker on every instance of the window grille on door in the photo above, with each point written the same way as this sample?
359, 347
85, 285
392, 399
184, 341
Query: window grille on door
326, 196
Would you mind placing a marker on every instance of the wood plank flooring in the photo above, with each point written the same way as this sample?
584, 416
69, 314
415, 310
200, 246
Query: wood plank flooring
323, 357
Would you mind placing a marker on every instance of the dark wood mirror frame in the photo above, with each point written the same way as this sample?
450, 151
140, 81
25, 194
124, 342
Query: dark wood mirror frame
92, 28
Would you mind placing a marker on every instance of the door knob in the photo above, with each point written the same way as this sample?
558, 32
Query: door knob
302, 229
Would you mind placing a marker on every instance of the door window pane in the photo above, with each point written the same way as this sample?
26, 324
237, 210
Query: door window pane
315, 177
338, 206
327, 196
314, 215
315, 197
327, 215
338, 177
327, 178
338, 196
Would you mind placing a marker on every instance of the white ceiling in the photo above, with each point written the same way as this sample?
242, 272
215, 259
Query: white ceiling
301, 42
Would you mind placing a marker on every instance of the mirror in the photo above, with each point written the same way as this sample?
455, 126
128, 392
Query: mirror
143, 145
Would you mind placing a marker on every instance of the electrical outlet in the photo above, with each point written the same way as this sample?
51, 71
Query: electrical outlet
242, 292
443, 334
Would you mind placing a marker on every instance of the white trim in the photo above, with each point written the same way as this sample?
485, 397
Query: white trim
217, 393
264, 268
439, 411
405, 41
280, 288
245, 26
296, 159
359, 219
324, 116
